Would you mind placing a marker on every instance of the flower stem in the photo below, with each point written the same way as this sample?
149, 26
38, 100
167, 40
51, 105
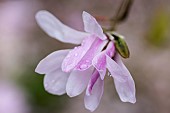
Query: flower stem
121, 13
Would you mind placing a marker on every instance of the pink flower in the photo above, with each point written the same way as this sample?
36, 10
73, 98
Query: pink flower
84, 67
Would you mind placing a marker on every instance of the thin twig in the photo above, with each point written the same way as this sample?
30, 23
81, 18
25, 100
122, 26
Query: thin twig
121, 13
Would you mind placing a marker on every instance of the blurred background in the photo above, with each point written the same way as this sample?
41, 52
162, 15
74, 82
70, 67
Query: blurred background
23, 44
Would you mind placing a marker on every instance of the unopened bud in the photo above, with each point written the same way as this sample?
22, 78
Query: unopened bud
121, 45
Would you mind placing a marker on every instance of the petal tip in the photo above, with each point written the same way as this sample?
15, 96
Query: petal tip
39, 70
102, 77
85, 14
129, 99
71, 93
133, 101
40, 13
91, 108
49, 90
103, 37
64, 69
88, 93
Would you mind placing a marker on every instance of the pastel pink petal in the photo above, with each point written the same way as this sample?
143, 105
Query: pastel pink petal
56, 29
81, 57
116, 71
95, 48
126, 90
110, 50
92, 26
99, 61
77, 82
91, 102
91, 83
77, 54
51, 62
55, 82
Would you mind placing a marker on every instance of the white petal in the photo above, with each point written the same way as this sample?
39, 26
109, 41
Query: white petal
91, 102
92, 26
54, 28
115, 70
55, 79
55, 82
77, 82
51, 62
126, 90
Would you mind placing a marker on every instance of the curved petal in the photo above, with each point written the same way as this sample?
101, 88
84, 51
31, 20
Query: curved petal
116, 71
77, 82
55, 82
86, 61
80, 58
91, 83
99, 61
92, 26
77, 54
126, 90
54, 28
51, 62
91, 102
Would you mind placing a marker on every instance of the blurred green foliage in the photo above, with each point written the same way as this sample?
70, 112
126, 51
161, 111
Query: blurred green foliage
40, 100
157, 32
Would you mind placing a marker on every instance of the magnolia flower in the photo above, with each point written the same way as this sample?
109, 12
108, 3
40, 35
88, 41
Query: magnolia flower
72, 71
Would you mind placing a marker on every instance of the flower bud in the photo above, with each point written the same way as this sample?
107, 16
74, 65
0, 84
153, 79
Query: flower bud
121, 45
